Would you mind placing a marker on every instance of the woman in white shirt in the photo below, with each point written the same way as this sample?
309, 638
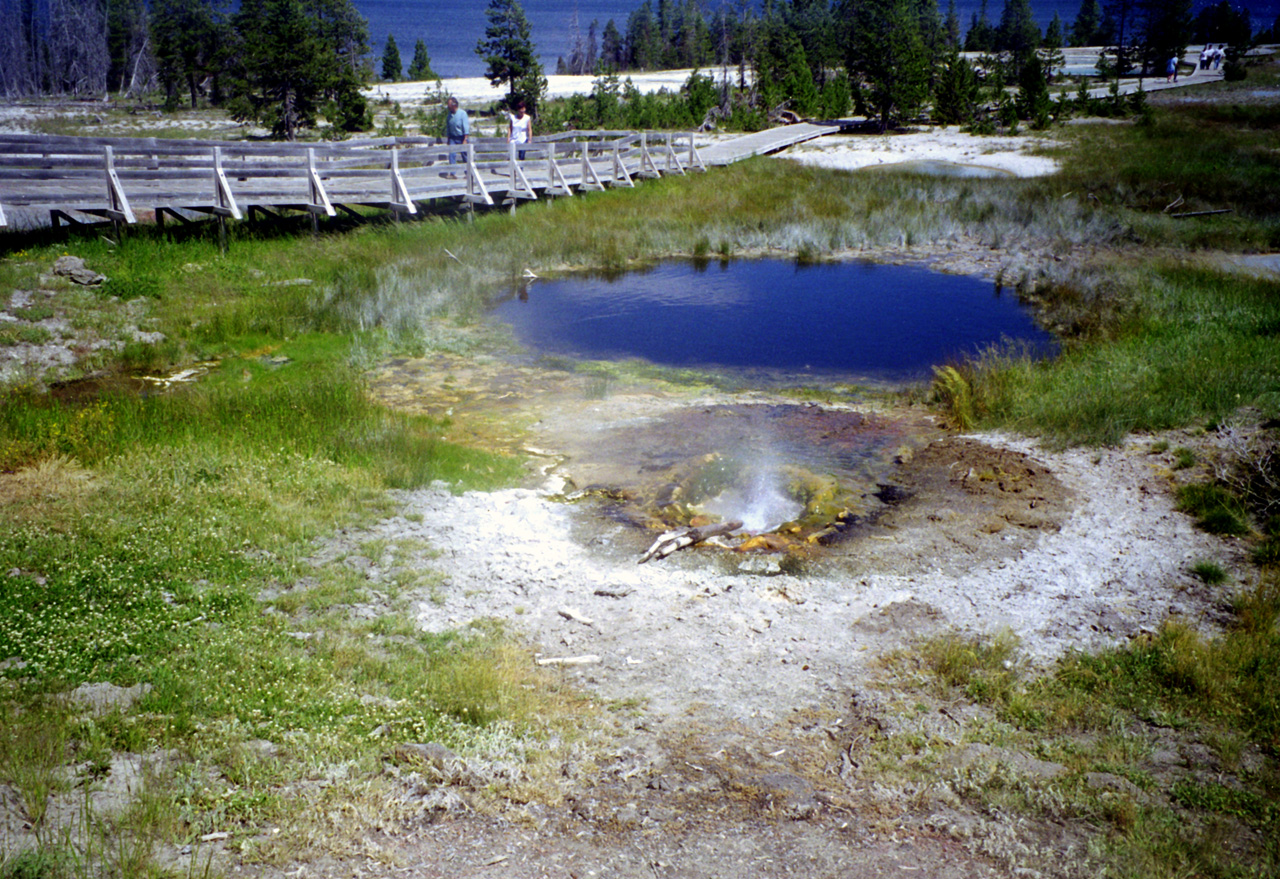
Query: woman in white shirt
520, 130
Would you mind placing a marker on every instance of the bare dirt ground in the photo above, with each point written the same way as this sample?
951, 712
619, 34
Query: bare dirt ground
738, 688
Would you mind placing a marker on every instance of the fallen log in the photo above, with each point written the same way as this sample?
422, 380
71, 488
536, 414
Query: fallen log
667, 544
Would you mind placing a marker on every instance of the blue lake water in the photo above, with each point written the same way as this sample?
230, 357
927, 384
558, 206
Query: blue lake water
451, 28
854, 321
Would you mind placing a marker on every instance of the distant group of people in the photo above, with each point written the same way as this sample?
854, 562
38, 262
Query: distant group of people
457, 127
1210, 59
1211, 56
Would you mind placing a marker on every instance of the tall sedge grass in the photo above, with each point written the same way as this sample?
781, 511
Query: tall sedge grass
1196, 346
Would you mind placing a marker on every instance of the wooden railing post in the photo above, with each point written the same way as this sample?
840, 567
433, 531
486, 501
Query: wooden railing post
648, 167
519, 186
398, 189
694, 158
590, 179
620, 175
673, 161
477, 193
556, 182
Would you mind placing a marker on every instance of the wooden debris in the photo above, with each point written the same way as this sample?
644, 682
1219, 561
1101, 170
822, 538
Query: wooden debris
570, 614
1199, 214
667, 544
587, 659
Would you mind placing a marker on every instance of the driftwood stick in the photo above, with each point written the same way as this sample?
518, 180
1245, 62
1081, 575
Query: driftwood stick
664, 546
1199, 214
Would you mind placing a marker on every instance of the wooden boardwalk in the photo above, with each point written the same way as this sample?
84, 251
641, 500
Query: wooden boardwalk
127, 179
761, 143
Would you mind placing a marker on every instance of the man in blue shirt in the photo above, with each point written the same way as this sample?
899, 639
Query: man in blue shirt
457, 128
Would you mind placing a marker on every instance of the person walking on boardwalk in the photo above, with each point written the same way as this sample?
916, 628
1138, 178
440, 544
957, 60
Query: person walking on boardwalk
457, 129
520, 130
1171, 71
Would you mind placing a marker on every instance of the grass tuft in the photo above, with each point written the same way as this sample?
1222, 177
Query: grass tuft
1209, 572
1215, 508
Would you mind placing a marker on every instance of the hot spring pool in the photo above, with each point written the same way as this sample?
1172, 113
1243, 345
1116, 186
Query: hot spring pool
856, 321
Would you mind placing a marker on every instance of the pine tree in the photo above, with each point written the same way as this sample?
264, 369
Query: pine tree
982, 34
420, 66
956, 99
1017, 33
190, 39
392, 66
127, 44
1053, 33
886, 52
1165, 27
951, 27
1085, 31
296, 59
507, 48
612, 47
931, 31
1051, 47
1122, 36
644, 46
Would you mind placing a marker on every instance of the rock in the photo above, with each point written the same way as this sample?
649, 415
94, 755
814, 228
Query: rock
104, 698
263, 748
1105, 781
892, 494
790, 793
444, 801
430, 754
764, 567
74, 269
1020, 763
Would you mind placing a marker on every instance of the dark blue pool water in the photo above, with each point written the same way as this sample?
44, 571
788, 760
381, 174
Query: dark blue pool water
853, 320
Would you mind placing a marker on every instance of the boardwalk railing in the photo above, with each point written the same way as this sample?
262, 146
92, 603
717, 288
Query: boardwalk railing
120, 178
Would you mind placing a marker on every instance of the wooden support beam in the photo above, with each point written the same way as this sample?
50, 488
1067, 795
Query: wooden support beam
590, 179
350, 211
224, 199
556, 183
57, 217
160, 212
256, 210
119, 209
4, 221
318, 197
